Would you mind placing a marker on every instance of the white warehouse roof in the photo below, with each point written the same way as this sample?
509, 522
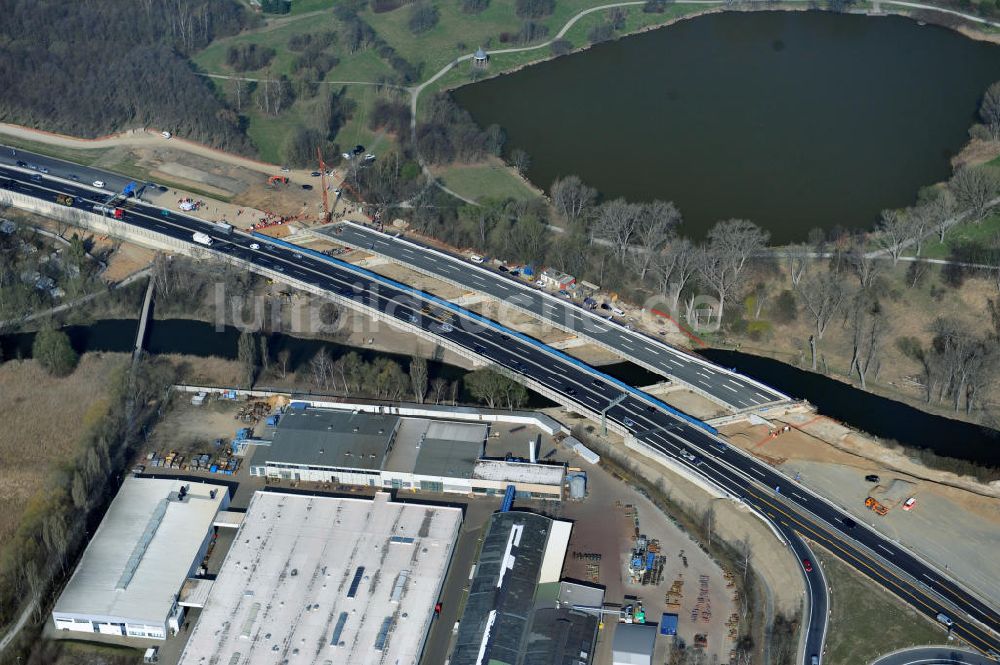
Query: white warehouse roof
321, 580
144, 549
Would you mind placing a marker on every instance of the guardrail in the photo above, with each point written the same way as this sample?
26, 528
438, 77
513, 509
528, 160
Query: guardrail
488, 323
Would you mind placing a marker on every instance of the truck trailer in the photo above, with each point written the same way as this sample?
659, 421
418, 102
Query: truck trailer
201, 238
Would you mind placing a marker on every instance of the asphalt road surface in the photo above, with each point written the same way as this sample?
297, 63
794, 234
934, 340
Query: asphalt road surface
690, 443
934, 656
728, 387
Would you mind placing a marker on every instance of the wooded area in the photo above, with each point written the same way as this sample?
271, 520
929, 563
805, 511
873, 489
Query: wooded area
92, 68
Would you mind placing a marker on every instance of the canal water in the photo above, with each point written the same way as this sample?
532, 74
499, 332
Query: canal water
793, 120
879, 416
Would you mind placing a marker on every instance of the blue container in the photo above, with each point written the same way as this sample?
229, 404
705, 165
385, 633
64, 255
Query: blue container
214, 468
668, 624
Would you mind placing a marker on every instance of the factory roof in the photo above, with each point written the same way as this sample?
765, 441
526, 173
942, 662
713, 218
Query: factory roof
450, 449
330, 438
503, 622
144, 549
519, 472
316, 580
633, 644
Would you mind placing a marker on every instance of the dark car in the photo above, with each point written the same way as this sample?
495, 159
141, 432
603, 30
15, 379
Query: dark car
358, 149
479, 348
315, 174
570, 391
807, 564
605, 305
515, 273
849, 523
872, 478
73, 176
307, 186
21, 163
35, 177
502, 268
33, 167
598, 383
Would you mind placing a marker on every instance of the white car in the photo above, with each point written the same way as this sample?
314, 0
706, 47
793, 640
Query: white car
254, 245
618, 311
475, 258
166, 135
539, 283
99, 184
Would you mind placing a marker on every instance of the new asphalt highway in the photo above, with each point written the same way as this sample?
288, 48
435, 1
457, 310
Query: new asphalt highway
791, 507
727, 387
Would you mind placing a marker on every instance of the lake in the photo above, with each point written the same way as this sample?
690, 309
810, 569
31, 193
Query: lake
793, 120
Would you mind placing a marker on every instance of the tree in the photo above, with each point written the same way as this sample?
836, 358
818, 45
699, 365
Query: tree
572, 199
423, 17
534, 8
520, 160
731, 243
418, 377
941, 210
439, 389
495, 390
265, 353
822, 295
656, 225
52, 350
797, 258
866, 266
974, 188
868, 328
246, 354
283, 357
989, 110
322, 369
617, 222
674, 267
894, 232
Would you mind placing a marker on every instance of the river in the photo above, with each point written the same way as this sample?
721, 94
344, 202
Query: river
876, 415
793, 120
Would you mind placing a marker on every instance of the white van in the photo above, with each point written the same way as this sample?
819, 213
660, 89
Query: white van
945, 619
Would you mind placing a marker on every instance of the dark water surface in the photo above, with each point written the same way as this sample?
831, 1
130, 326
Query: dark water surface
794, 120
880, 416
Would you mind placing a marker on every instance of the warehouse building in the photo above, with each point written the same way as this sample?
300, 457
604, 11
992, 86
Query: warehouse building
395, 452
316, 580
633, 644
153, 537
518, 613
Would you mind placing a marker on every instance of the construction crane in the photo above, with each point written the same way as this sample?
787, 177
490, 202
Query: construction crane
322, 182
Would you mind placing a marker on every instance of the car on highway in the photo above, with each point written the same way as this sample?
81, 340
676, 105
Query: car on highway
688, 455
945, 619
43, 169
98, 183
628, 422
73, 176
35, 177
442, 327
22, 163
807, 564
570, 390
33, 167
412, 318
814, 660
475, 258
848, 522
254, 245
437, 609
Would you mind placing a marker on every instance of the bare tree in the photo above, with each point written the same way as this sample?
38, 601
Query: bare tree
572, 199
974, 188
439, 389
989, 110
283, 357
797, 258
656, 226
618, 222
941, 211
322, 368
822, 295
520, 160
418, 377
674, 267
716, 271
246, 352
868, 328
737, 240
866, 266
894, 231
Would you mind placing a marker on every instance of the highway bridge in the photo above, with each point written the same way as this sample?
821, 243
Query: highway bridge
684, 441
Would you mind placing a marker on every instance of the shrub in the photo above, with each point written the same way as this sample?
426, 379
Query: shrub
785, 308
52, 350
249, 57
600, 33
423, 18
561, 47
474, 6
534, 8
531, 32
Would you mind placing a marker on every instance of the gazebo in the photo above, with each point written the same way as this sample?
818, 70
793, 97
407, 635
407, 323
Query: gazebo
480, 58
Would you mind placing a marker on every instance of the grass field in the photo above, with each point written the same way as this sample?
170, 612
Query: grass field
866, 620
44, 418
86, 157
481, 181
983, 231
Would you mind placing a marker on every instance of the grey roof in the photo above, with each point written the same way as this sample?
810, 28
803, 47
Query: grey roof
147, 543
441, 457
634, 643
330, 438
523, 632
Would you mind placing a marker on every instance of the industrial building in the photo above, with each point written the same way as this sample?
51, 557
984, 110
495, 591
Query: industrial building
518, 612
153, 537
322, 580
633, 644
391, 451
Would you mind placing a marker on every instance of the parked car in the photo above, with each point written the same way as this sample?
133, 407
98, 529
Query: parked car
909, 503
503, 269
315, 174
618, 311
307, 187
605, 306
515, 273
872, 478
475, 258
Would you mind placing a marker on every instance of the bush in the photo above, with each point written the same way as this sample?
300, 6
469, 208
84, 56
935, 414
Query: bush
531, 32
534, 8
276, 6
654, 6
393, 117
423, 18
474, 6
249, 57
382, 6
785, 308
52, 350
600, 33
561, 47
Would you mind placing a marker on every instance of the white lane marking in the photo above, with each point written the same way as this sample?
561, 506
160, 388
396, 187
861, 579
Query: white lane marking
630, 348
799, 496
704, 375
929, 577
730, 387
758, 472
653, 349
883, 547
764, 397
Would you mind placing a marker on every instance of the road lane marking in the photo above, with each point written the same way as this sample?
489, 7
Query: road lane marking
884, 548
730, 387
758, 472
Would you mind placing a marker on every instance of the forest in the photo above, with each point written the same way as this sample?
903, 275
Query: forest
92, 68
